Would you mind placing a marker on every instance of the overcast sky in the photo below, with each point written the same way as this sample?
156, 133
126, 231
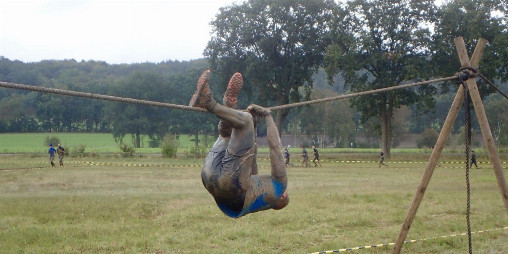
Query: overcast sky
115, 31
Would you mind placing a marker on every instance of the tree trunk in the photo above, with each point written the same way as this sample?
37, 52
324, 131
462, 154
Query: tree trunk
386, 133
281, 115
138, 140
196, 139
389, 132
279, 119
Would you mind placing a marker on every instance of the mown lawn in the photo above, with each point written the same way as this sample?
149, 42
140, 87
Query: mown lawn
104, 143
155, 205
93, 142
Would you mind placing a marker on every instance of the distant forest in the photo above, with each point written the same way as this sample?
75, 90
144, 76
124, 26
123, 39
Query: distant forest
331, 124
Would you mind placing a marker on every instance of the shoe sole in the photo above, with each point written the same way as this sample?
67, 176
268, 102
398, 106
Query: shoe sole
202, 87
230, 96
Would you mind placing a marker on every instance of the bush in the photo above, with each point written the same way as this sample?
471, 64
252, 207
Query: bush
196, 152
51, 140
127, 150
155, 141
78, 151
427, 139
169, 146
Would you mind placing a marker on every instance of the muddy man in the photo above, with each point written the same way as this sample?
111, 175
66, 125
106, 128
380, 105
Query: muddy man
230, 170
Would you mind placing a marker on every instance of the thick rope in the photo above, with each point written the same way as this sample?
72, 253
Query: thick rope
492, 85
467, 139
183, 107
97, 96
470, 72
345, 96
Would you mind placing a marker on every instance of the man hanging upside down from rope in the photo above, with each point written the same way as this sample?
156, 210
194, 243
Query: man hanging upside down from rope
230, 170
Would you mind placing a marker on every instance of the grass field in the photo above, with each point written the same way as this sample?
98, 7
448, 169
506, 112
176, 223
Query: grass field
155, 205
100, 143
94, 142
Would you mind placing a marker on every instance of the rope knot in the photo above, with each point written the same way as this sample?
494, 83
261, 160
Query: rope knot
465, 74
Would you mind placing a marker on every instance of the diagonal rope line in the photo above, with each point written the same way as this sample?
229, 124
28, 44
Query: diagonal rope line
345, 96
97, 96
189, 108
492, 85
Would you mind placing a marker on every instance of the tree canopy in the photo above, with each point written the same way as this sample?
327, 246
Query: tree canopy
382, 44
281, 47
276, 45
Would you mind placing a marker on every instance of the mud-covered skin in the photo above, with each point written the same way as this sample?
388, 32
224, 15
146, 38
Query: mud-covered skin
229, 176
230, 171
236, 190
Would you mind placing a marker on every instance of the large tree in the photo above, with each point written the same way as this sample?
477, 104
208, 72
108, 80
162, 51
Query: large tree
473, 19
381, 44
496, 107
330, 120
277, 46
137, 119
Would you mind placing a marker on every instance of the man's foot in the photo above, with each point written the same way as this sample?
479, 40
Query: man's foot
230, 96
202, 98
230, 100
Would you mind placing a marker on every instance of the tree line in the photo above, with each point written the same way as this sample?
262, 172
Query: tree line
288, 51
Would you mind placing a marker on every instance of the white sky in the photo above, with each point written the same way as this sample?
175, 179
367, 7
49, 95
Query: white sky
115, 31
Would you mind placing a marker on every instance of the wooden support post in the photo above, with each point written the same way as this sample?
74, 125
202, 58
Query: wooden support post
436, 152
484, 123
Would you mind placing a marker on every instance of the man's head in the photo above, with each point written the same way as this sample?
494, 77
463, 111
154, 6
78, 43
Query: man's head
283, 201
313, 147
51, 145
58, 145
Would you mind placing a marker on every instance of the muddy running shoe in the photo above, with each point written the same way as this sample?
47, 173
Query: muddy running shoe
203, 95
230, 96
230, 100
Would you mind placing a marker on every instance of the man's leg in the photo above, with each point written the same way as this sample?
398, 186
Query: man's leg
210, 173
243, 134
230, 100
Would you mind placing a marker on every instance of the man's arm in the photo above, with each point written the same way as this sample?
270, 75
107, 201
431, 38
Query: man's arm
276, 157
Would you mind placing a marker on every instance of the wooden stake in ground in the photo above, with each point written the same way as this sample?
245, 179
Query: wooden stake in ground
484, 123
436, 152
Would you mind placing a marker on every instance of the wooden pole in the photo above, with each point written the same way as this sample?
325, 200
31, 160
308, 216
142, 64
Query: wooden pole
436, 152
484, 123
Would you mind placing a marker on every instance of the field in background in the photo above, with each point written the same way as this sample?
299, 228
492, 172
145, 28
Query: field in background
100, 143
155, 205
94, 142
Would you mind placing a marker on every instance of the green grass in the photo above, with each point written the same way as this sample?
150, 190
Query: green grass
128, 206
100, 143
94, 142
